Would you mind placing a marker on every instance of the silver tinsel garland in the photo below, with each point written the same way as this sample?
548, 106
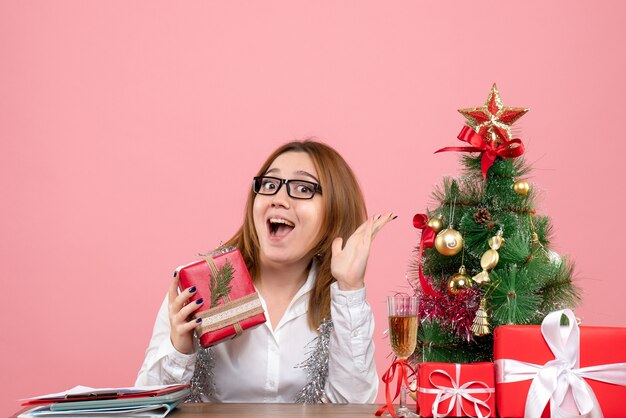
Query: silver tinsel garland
316, 367
203, 379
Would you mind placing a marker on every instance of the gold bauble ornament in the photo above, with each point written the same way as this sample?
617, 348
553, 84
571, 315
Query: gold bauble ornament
449, 242
459, 282
521, 187
435, 224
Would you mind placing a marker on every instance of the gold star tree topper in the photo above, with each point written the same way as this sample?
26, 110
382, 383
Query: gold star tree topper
493, 120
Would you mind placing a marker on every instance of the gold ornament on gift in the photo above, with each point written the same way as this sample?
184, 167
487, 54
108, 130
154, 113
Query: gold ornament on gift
490, 258
436, 224
480, 326
521, 187
459, 281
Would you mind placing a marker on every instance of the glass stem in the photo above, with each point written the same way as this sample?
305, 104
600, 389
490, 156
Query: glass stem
403, 396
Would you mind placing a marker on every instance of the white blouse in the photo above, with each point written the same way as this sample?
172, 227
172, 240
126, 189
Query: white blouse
261, 365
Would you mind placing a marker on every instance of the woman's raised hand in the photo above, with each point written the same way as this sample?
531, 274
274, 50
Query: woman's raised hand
180, 310
349, 262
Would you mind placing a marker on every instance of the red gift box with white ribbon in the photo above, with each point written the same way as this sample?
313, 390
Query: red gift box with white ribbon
563, 371
456, 390
231, 303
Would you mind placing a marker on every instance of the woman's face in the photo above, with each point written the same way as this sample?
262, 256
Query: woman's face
287, 227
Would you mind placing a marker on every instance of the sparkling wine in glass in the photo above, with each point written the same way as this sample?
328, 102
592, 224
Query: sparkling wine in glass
403, 334
403, 323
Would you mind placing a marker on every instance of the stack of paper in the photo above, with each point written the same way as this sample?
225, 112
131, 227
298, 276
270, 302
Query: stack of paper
81, 401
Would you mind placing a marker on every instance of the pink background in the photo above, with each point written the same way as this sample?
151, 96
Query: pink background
130, 130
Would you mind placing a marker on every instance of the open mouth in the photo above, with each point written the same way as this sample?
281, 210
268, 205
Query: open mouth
279, 227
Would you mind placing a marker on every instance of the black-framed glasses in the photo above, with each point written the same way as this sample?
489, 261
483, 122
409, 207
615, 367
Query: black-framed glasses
298, 189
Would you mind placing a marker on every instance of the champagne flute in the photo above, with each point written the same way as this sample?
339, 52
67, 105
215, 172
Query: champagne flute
403, 322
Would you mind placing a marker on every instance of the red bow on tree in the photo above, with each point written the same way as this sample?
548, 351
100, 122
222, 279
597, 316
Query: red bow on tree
490, 149
420, 221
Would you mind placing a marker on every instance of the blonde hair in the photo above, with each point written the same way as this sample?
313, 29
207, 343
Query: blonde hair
344, 210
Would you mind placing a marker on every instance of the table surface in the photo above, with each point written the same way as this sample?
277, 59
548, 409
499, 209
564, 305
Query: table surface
274, 410
237, 410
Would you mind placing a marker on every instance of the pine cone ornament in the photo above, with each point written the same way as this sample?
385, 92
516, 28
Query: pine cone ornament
482, 216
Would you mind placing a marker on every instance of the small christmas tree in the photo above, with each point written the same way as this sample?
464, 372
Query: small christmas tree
484, 257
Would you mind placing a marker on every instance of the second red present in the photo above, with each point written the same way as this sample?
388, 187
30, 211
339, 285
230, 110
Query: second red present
456, 390
559, 370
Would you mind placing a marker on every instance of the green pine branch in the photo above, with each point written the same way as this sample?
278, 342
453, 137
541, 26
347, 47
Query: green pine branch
515, 167
516, 249
514, 299
558, 290
438, 344
220, 283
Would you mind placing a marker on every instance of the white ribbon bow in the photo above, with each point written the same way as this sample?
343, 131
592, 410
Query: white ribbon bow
552, 381
456, 393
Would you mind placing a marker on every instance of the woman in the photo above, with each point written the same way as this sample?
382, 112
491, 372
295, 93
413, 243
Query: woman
304, 203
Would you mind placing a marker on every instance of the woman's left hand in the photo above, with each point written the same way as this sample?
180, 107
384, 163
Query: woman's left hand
348, 263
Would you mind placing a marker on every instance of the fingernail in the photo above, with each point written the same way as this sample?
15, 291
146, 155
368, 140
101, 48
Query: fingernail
199, 301
395, 216
198, 320
192, 289
175, 273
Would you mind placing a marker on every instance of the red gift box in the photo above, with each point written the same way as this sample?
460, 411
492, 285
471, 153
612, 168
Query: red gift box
601, 347
456, 390
224, 315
